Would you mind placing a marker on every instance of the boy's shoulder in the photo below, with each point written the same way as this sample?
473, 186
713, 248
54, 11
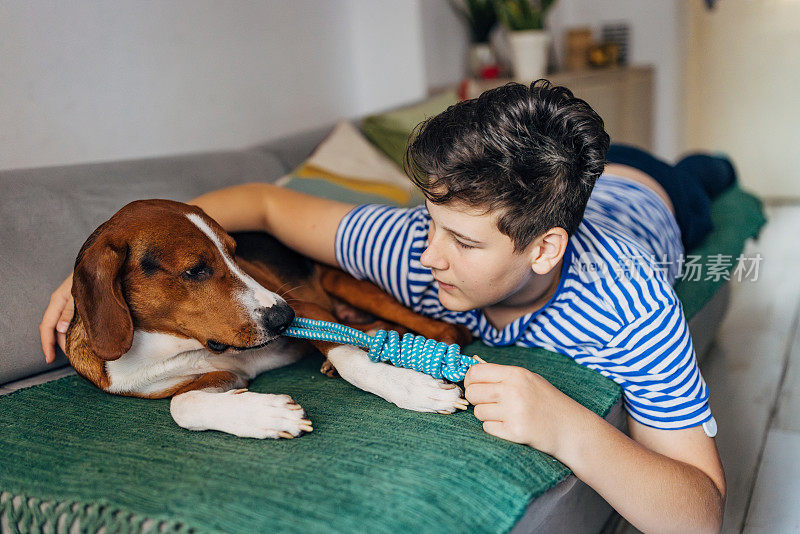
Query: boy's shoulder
608, 282
620, 262
632, 227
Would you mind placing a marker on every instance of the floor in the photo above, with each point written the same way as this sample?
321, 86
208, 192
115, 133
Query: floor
753, 372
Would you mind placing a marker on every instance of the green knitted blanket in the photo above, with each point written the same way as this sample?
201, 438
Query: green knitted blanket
71, 454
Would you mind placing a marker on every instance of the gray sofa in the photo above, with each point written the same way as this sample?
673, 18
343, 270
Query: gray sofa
49, 212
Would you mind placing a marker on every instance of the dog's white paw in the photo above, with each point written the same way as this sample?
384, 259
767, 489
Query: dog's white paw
242, 413
417, 391
406, 388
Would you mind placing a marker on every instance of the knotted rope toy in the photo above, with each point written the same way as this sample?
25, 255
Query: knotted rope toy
435, 358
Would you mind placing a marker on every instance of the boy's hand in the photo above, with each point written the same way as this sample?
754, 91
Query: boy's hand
56, 319
520, 406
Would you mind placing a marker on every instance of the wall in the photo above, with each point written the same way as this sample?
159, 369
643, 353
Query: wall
446, 41
387, 53
89, 81
742, 91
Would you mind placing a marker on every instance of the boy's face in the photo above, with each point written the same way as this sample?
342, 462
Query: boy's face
474, 264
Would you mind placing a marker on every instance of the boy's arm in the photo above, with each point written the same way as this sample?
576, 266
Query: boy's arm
658, 480
302, 222
664, 481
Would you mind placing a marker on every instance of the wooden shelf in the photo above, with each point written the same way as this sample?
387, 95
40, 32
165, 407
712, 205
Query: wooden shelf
622, 96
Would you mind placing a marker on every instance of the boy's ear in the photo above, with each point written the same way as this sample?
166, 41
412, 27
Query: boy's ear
548, 249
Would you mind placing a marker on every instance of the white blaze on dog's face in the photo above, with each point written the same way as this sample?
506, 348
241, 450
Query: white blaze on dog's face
179, 277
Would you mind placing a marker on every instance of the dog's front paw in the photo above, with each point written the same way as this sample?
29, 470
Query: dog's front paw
406, 388
242, 413
417, 391
328, 369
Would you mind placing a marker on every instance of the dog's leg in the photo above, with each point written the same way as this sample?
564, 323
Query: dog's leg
251, 363
209, 403
369, 297
406, 388
374, 326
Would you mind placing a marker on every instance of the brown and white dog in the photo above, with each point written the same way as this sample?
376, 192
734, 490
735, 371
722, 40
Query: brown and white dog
166, 308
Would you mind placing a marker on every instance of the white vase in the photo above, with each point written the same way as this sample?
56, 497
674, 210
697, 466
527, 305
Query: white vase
529, 54
480, 56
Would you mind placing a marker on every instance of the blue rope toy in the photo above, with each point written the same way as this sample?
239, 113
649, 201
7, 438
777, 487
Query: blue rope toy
435, 358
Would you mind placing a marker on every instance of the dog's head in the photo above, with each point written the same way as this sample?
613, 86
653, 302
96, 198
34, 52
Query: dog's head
163, 266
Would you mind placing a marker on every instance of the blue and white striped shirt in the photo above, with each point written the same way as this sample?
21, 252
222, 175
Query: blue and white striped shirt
614, 311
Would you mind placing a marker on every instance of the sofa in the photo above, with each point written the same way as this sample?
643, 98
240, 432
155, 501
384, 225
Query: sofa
75, 457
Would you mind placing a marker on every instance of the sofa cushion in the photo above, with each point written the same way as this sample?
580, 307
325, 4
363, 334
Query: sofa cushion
390, 131
346, 166
48, 213
293, 149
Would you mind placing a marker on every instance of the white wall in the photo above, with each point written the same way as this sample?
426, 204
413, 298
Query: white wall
742, 92
446, 40
89, 81
387, 53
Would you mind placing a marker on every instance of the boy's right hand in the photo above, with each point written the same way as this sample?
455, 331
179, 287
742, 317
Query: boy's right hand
56, 319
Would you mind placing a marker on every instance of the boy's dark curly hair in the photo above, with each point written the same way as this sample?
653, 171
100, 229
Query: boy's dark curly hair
531, 153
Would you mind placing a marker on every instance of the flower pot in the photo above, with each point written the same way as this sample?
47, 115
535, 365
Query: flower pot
529, 54
480, 56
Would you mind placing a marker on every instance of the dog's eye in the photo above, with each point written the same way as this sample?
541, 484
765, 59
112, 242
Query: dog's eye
201, 271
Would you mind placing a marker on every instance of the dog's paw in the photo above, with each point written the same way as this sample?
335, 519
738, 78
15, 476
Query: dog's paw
406, 388
328, 369
417, 391
242, 413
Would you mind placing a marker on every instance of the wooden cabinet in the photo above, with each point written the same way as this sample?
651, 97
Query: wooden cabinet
623, 96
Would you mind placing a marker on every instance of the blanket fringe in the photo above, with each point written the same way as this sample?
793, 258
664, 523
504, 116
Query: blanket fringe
20, 514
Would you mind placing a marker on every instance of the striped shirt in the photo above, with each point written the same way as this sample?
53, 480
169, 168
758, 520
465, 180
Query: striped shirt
614, 310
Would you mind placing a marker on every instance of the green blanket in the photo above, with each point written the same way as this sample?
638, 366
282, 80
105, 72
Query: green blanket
71, 452
737, 215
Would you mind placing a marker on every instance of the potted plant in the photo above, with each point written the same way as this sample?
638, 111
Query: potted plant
481, 17
527, 39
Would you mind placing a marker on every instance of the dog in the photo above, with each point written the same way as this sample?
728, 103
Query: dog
170, 305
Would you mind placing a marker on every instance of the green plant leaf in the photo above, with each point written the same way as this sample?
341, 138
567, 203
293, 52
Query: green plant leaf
517, 15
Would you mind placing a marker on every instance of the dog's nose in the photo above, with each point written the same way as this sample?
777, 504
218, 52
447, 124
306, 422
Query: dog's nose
278, 317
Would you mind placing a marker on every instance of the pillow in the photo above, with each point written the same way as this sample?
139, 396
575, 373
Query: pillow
347, 167
390, 131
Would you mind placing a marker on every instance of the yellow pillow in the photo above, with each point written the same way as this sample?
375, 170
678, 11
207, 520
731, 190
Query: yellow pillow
347, 167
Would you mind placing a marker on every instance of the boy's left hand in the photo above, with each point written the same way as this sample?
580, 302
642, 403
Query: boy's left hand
521, 406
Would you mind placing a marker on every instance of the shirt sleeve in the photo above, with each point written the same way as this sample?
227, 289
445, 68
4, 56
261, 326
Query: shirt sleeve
376, 242
653, 359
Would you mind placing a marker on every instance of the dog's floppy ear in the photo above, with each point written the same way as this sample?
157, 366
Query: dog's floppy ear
97, 290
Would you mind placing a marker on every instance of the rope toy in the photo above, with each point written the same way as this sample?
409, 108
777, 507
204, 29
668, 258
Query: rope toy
435, 358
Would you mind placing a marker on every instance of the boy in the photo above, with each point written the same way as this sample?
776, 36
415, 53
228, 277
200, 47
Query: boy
520, 241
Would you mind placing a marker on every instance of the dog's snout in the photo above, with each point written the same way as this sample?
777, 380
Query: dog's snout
278, 317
